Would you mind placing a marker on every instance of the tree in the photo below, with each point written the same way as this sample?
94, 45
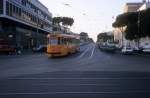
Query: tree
57, 20
145, 23
104, 37
137, 24
66, 21
131, 32
126, 18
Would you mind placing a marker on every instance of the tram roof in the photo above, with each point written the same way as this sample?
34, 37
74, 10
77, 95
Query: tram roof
66, 35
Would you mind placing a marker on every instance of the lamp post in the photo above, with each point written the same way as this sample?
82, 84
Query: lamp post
138, 29
37, 31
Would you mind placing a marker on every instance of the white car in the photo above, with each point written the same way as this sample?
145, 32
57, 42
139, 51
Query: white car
127, 50
146, 49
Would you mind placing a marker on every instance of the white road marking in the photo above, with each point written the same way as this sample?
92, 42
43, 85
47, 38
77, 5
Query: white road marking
47, 93
132, 78
78, 84
84, 52
92, 53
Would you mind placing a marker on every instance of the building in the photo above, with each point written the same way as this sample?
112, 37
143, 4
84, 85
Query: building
118, 37
119, 32
24, 23
132, 7
144, 6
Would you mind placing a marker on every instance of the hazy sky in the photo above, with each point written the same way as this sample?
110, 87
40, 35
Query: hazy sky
91, 16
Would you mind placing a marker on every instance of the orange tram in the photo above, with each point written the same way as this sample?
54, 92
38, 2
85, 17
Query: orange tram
62, 44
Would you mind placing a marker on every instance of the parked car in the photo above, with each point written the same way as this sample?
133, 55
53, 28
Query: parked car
137, 50
127, 50
146, 48
6, 47
41, 48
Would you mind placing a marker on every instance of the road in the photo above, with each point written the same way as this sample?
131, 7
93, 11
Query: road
87, 74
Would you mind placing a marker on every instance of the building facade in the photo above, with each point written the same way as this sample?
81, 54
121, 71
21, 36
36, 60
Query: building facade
119, 32
131, 7
24, 23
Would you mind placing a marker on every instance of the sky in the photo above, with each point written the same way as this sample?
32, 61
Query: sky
91, 16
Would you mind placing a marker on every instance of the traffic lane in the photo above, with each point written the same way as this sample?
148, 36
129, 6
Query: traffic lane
91, 60
78, 84
103, 61
88, 52
11, 58
78, 62
78, 95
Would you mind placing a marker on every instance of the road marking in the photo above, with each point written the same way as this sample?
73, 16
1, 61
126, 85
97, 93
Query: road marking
77, 84
92, 53
84, 52
47, 93
132, 78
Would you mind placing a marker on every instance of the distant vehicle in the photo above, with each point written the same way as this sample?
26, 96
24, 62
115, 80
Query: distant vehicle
146, 48
41, 48
62, 44
127, 50
108, 47
137, 50
111, 48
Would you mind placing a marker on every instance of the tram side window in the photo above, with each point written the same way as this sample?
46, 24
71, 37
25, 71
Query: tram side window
70, 41
73, 41
65, 41
62, 41
59, 41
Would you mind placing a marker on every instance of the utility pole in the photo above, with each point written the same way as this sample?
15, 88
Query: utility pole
138, 28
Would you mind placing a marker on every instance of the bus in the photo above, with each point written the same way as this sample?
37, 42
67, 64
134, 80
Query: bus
62, 44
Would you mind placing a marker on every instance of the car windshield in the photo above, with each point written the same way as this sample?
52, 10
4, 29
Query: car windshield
74, 48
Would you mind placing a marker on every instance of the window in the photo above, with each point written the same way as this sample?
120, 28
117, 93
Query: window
19, 11
1, 6
24, 2
10, 9
14, 9
7, 8
53, 41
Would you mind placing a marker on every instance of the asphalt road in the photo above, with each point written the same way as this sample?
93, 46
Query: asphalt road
87, 74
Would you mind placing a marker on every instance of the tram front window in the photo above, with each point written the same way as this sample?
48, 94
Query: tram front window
53, 41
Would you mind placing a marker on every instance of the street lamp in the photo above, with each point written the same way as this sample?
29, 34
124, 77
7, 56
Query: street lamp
37, 31
138, 28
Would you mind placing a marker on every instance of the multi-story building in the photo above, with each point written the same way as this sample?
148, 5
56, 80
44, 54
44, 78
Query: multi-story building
24, 23
132, 7
144, 6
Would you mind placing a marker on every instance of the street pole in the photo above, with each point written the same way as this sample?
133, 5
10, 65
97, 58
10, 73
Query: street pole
37, 32
138, 29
